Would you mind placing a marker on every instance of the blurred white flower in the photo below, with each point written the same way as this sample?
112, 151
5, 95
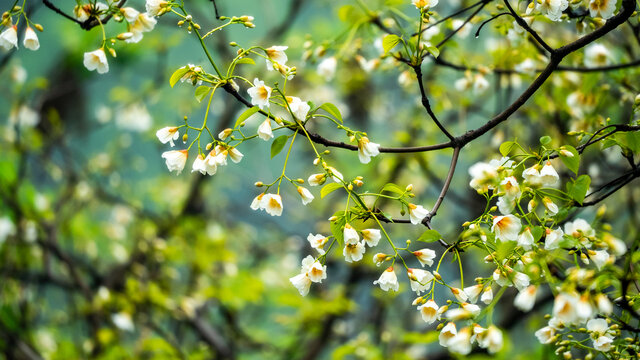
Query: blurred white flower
96, 60
175, 159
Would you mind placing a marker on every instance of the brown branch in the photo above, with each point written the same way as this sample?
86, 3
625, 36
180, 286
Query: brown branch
425, 102
528, 28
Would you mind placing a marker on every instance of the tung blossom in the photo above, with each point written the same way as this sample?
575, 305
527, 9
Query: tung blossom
429, 311
175, 159
276, 54
317, 242
420, 280
259, 93
506, 227
305, 195
552, 8
168, 135
96, 60
371, 236
388, 280
353, 252
367, 150
602, 8
425, 256
264, 130
417, 213
424, 4
327, 68
31, 41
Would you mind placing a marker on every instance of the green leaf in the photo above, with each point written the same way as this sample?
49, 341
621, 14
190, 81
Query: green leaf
578, 188
571, 162
246, 61
506, 147
537, 232
332, 110
177, 75
391, 187
201, 92
278, 144
433, 50
545, 140
337, 227
389, 42
329, 188
246, 114
430, 236
633, 141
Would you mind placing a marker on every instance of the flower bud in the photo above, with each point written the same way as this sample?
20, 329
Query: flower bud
408, 188
350, 187
39, 27
437, 276
233, 43
188, 18
209, 146
185, 137
300, 181
333, 218
316, 161
259, 184
124, 36
112, 51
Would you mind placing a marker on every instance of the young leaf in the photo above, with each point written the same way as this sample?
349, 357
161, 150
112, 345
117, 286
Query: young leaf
246, 61
177, 75
571, 162
337, 227
430, 236
329, 188
433, 50
278, 144
545, 140
332, 110
391, 187
578, 188
506, 147
201, 92
246, 114
389, 42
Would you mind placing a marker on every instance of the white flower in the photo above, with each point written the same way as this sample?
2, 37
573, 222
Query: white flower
510, 187
367, 65
564, 307
553, 238
7, 228
299, 108
552, 8
600, 334
155, 7
491, 339
548, 174
480, 84
168, 135
264, 130
388, 280
327, 68
600, 258
350, 235
317, 241
487, 295
425, 256
353, 252
123, 321
460, 295
528, 66
551, 207
313, 269
272, 204
420, 280
96, 60
506, 227
143, 23
526, 298
583, 309
546, 334
461, 342
465, 28
335, 174
526, 239
134, 117
500, 278
458, 314
317, 179
302, 283
31, 39
379, 258
483, 176
235, 155
276, 54
225, 133
367, 150
257, 202
447, 333
429, 312
9, 38
506, 205
422, 4
579, 228
520, 280
596, 55
130, 14
305, 195
602, 8
371, 236
473, 292
175, 159
604, 304
417, 213
259, 93
24, 116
